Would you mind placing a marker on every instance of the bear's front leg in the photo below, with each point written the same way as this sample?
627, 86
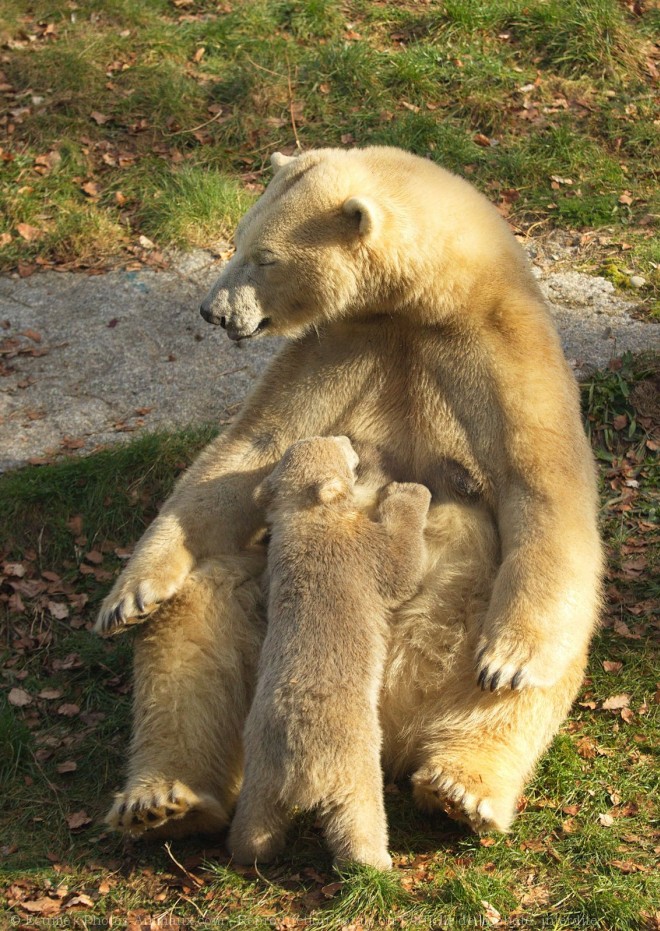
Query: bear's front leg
156, 571
546, 595
209, 515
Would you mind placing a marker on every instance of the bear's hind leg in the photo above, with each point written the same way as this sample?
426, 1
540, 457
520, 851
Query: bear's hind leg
475, 766
195, 668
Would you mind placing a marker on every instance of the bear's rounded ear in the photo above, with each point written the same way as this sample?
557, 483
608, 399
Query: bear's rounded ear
331, 491
277, 160
365, 213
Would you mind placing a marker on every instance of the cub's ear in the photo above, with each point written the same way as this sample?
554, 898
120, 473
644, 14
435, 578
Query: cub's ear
264, 493
330, 491
366, 214
277, 160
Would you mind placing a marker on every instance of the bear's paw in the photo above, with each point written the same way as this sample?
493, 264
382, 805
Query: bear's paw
461, 799
153, 804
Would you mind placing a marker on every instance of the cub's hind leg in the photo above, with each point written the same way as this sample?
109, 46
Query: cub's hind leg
258, 831
354, 818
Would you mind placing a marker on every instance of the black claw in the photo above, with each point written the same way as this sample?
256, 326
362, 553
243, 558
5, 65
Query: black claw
495, 681
118, 614
480, 656
136, 806
515, 682
139, 601
481, 681
122, 810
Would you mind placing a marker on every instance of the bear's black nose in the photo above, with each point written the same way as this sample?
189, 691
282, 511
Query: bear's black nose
207, 313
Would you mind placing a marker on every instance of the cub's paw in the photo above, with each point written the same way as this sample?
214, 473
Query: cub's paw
151, 805
255, 845
514, 661
410, 490
462, 799
367, 855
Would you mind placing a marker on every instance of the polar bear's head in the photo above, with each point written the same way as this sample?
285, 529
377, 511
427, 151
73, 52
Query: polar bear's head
317, 470
302, 251
357, 232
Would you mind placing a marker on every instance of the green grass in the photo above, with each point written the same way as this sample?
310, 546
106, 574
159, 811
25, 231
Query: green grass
580, 855
190, 99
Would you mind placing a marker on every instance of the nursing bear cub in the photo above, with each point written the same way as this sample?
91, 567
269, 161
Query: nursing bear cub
312, 737
415, 326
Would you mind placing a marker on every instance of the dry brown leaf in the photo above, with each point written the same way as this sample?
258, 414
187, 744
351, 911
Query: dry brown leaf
99, 118
28, 232
58, 610
612, 666
587, 748
80, 899
68, 710
628, 866
79, 819
91, 188
491, 914
622, 629
606, 820
16, 569
616, 702
331, 889
50, 694
69, 766
43, 906
75, 524
48, 161
19, 698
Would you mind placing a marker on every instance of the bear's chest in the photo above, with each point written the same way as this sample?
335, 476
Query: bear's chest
424, 403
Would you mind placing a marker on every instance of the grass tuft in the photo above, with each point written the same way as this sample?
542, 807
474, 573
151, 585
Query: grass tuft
194, 206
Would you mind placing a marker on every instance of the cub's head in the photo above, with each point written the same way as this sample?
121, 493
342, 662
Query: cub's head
319, 470
301, 249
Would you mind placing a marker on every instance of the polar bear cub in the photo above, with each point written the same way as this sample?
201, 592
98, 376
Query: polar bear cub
312, 738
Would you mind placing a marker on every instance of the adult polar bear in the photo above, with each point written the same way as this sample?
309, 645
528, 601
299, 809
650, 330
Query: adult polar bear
416, 327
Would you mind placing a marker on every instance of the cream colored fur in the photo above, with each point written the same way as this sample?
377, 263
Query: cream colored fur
312, 738
416, 326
